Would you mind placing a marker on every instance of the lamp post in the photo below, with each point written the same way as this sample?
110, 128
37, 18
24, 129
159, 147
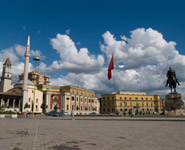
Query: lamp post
35, 59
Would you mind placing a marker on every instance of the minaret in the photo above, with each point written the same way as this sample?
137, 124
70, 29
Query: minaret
6, 78
25, 80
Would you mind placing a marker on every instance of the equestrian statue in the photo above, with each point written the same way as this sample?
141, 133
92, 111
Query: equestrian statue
172, 80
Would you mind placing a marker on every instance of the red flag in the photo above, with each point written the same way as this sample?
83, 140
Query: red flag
111, 66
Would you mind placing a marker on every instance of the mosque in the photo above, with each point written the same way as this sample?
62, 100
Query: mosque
34, 94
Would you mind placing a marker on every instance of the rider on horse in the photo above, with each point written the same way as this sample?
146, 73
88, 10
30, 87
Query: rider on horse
171, 79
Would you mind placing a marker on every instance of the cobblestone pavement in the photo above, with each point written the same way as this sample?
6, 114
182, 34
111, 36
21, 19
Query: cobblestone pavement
86, 134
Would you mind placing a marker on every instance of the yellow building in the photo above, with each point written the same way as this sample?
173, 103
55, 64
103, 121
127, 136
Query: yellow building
129, 102
69, 98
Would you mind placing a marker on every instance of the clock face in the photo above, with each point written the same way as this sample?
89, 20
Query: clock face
8, 69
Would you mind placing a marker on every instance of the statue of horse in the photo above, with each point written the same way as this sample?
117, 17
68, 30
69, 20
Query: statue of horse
172, 84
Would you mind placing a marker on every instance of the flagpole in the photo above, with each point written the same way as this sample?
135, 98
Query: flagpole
114, 74
114, 83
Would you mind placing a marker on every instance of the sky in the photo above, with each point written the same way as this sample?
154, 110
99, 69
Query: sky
75, 40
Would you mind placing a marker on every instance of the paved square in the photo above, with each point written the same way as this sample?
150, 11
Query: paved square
57, 134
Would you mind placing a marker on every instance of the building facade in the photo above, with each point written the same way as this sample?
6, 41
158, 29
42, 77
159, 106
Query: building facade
127, 102
69, 99
37, 78
12, 100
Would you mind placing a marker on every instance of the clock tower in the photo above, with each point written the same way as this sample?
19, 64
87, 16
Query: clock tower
6, 77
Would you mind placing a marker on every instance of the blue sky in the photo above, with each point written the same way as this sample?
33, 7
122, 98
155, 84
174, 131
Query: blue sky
84, 22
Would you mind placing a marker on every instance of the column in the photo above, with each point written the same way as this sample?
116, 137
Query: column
19, 105
14, 104
7, 103
69, 104
47, 101
65, 102
2, 102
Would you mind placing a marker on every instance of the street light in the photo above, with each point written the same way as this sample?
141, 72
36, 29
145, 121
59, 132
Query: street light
35, 59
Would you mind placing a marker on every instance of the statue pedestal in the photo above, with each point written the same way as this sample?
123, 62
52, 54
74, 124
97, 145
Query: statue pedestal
174, 104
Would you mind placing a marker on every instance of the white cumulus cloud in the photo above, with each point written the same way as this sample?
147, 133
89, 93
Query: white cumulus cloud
20, 50
72, 59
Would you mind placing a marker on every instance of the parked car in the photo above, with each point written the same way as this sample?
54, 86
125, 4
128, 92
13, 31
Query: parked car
66, 113
93, 113
58, 114
50, 113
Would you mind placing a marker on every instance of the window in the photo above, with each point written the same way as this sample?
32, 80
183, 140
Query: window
120, 103
29, 100
85, 107
120, 97
77, 98
89, 108
104, 109
146, 98
146, 104
72, 98
112, 109
151, 99
130, 103
92, 101
107, 97
151, 104
137, 104
108, 109
81, 93
72, 107
112, 98
141, 98
136, 98
81, 108
89, 100
125, 110
85, 100
72, 91
108, 104
125, 98
55, 98
103, 98
142, 104
67, 107
121, 109
37, 100
125, 103
130, 98
67, 98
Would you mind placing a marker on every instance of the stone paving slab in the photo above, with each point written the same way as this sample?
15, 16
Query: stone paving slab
58, 134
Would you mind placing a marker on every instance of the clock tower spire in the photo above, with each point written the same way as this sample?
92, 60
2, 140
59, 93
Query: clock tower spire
6, 77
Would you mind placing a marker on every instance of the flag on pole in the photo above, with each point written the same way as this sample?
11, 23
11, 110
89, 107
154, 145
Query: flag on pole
111, 66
